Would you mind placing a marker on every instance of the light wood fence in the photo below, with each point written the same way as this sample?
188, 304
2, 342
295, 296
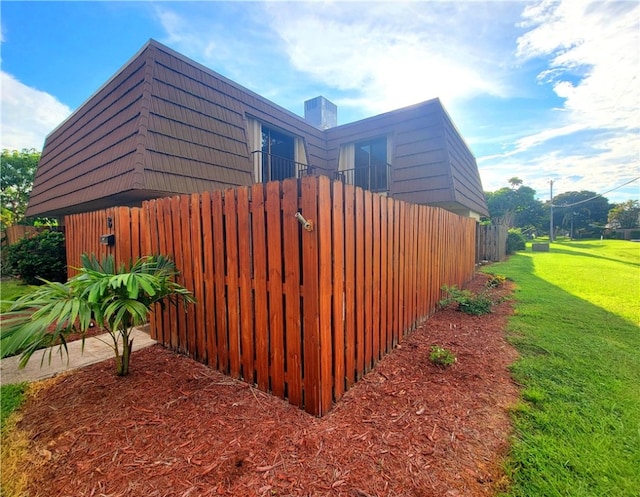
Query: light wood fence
491, 242
15, 233
302, 314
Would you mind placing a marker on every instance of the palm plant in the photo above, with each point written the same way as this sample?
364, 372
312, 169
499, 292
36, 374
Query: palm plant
116, 298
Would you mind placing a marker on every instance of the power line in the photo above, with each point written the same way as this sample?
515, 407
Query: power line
599, 194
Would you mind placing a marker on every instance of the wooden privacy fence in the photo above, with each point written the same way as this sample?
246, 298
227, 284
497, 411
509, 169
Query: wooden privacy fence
491, 242
15, 233
302, 314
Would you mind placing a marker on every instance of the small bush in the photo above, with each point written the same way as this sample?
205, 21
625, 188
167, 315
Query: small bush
38, 256
441, 357
468, 302
515, 241
495, 281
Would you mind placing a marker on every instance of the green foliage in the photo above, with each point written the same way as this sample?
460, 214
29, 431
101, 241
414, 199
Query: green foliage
118, 298
576, 328
441, 357
625, 215
515, 241
11, 398
495, 281
584, 211
39, 256
516, 206
467, 301
17, 170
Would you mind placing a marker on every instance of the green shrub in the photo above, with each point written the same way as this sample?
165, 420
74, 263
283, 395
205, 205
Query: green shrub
38, 256
467, 301
495, 281
515, 241
441, 357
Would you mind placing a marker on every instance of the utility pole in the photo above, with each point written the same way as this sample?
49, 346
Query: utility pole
551, 210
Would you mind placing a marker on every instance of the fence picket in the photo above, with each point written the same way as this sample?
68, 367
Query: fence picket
325, 289
219, 262
208, 285
311, 339
375, 282
260, 287
276, 310
368, 282
384, 275
338, 279
291, 289
187, 320
246, 291
233, 302
197, 258
349, 286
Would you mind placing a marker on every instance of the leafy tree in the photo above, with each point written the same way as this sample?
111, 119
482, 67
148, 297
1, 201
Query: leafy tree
16, 180
515, 182
585, 211
516, 207
625, 214
117, 298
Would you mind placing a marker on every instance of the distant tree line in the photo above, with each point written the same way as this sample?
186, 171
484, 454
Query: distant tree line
582, 214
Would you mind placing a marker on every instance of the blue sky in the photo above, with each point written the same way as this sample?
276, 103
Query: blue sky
541, 90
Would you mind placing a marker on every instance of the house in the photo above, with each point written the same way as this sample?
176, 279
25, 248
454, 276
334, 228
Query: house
166, 125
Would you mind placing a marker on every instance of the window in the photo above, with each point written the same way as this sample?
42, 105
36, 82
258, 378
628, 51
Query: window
278, 155
275, 155
370, 164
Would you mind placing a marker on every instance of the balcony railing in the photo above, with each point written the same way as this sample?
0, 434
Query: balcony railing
375, 178
276, 168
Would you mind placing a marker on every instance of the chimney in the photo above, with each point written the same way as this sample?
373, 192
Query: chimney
321, 113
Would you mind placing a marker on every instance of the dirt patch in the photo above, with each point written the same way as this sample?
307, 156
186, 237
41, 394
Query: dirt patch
175, 428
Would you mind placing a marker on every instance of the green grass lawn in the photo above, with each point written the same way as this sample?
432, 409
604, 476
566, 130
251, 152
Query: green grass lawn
576, 326
11, 397
9, 290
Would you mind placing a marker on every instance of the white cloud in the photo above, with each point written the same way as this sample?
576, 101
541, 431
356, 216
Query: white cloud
593, 53
394, 54
27, 114
592, 142
208, 32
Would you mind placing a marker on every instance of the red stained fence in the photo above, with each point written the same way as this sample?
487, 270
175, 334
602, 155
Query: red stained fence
302, 314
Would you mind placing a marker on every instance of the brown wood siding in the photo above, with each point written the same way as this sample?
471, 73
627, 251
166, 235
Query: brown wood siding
90, 155
228, 104
464, 170
196, 136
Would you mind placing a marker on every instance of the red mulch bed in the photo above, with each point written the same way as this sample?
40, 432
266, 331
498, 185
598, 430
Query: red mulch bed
176, 428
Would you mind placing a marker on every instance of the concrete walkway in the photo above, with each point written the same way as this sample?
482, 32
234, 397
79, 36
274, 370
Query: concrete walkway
95, 350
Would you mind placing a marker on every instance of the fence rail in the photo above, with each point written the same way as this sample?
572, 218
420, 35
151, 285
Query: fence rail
302, 314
